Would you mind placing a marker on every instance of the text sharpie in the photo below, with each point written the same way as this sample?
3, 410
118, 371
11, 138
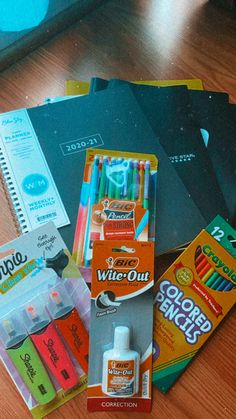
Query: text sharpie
50, 346
25, 358
69, 323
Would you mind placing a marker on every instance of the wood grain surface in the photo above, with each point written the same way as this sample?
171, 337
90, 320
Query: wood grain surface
137, 39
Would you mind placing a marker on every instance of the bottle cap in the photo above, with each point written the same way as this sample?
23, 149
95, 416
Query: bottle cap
59, 302
12, 330
121, 338
35, 316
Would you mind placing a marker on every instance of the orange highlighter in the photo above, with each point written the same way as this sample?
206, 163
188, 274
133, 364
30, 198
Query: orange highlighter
68, 322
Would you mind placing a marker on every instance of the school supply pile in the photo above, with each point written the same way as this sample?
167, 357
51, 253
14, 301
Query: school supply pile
125, 172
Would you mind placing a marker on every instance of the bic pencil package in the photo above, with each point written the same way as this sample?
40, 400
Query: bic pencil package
191, 299
120, 367
44, 319
118, 200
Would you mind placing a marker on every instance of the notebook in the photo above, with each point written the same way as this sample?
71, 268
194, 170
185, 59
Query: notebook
62, 131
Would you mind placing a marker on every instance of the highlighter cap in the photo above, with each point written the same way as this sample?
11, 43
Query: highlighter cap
12, 330
59, 301
122, 338
35, 316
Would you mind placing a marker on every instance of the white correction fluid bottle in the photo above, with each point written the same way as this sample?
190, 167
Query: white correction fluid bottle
120, 374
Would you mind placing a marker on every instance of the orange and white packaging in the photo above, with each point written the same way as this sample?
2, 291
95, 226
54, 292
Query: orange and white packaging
120, 367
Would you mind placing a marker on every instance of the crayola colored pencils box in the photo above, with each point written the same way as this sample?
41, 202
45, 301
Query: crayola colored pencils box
190, 300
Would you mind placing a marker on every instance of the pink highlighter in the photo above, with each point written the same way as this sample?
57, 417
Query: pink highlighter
49, 345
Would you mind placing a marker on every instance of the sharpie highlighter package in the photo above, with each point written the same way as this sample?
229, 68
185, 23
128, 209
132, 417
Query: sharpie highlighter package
120, 367
191, 298
44, 320
118, 200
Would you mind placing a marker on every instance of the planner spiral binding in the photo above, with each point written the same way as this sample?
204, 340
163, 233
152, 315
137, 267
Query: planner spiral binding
11, 195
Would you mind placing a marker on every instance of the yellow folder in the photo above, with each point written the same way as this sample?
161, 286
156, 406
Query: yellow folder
79, 87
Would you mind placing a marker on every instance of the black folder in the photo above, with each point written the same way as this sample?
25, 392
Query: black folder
170, 114
218, 118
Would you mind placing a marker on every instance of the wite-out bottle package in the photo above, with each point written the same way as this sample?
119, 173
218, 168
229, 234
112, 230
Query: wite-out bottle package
120, 367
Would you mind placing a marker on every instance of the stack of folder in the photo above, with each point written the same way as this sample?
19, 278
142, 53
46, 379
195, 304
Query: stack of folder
194, 129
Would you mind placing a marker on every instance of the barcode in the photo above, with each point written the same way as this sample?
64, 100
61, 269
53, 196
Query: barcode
65, 374
145, 384
42, 389
47, 216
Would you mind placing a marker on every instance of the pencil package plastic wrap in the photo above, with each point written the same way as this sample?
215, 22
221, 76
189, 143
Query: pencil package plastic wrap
44, 319
120, 354
191, 298
118, 200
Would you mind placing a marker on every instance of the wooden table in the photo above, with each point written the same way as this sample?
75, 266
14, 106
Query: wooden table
137, 39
